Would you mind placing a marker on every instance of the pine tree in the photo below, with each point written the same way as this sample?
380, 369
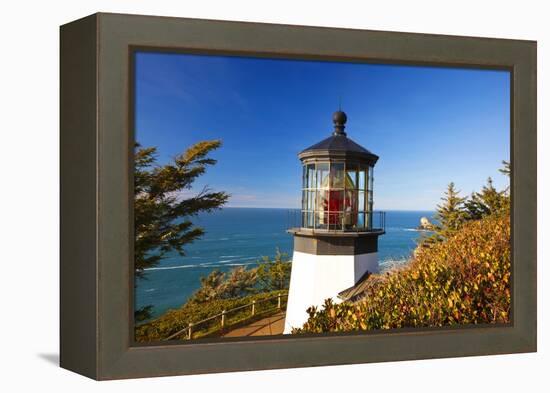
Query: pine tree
450, 213
455, 210
506, 168
487, 201
162, 216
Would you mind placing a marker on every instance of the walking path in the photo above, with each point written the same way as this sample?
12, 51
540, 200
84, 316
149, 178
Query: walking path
269, 326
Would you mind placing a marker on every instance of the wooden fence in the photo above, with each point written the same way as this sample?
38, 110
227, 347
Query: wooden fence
188, 331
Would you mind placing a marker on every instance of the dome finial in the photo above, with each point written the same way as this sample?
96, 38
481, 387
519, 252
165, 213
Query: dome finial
339, 119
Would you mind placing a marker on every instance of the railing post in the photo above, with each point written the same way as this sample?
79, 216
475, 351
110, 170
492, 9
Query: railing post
190, 331
253, 307
223, 318
279, 300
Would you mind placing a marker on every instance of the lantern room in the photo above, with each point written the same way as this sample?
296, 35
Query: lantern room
337, 183
336, 245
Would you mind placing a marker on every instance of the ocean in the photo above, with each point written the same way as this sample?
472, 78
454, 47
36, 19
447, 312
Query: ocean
241, 236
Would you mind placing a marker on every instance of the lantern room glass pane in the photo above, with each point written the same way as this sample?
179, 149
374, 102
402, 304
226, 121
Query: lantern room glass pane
360, 220
323, 175
350, 201
361, 201
371, 178
362, 180
351, 178
350, 210
349, 220
311, 200
321, 220
322, 200
311, 176
304, 200
307, 218
337, 175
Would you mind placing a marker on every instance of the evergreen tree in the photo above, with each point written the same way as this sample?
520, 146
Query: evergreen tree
240, 282
212, 287
455, 210
488, 201
162, 216
269, 275
450, 213
237, 282
506, 168
473, 207
274, 275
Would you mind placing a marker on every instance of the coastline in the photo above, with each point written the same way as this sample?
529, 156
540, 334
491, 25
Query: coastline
240, 237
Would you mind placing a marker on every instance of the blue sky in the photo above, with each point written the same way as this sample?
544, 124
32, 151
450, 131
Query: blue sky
429, 125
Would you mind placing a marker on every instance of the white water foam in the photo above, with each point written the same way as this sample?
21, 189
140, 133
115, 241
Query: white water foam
240, 264
391, 263
221, 263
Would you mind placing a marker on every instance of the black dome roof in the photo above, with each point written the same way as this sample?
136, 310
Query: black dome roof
338, 145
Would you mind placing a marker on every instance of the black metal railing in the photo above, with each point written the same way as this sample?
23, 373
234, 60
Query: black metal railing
375, 222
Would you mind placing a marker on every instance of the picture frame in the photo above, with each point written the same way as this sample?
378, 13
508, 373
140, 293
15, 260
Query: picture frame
96, 263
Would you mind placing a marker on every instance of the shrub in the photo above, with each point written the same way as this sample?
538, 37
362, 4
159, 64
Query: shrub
463, 280
269, 275
274, 274
238, 282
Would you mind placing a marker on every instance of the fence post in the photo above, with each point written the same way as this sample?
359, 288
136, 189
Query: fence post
279, 300
253, 307
190, 331
223, 318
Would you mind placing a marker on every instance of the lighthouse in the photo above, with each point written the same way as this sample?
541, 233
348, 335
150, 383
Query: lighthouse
336, 245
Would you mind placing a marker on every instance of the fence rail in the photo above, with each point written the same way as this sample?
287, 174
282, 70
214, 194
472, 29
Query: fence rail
188, 331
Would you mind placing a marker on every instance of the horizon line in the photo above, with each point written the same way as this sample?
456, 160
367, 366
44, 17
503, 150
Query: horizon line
297, 208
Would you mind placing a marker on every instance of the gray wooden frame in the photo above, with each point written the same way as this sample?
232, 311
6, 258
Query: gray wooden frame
96, 195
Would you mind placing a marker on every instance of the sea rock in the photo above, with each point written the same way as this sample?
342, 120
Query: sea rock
425, 225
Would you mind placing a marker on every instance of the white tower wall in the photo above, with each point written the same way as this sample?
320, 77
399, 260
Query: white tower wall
315, 278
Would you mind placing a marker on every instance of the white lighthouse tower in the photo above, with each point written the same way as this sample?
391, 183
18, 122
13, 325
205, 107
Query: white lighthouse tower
336, 244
